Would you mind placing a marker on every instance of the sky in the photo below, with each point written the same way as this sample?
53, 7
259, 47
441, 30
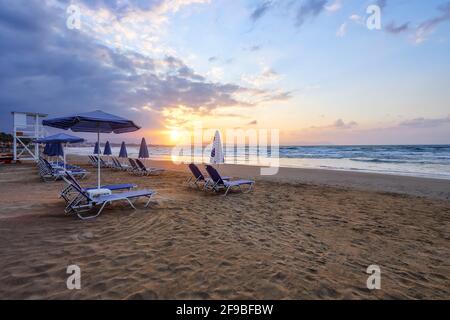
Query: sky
309, 68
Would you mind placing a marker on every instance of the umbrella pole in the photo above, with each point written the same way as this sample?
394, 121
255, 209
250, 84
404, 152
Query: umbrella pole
64, 151
98, 156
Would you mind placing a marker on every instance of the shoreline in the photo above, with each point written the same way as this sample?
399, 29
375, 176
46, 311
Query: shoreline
376, 182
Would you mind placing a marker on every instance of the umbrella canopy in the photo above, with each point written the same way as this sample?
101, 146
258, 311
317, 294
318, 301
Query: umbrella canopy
143, 150
217, 156
107, 151
94, 121
52, 150
97, 148
123, 151
61, 138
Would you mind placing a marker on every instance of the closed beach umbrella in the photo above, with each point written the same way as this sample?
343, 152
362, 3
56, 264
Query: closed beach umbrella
107, 151
217, 156
58, 139
47, 149
123, 151
143, 150
95, 121
97, 149
56, 150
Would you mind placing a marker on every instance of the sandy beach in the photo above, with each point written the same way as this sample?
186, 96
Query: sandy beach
302, 234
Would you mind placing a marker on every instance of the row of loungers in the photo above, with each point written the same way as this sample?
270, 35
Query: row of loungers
136, 166
216, 182
80, 201
55, 171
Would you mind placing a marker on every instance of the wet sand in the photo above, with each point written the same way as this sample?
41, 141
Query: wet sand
294, 237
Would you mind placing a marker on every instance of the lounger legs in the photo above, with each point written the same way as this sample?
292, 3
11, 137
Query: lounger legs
100, 211
246, 191
104, 205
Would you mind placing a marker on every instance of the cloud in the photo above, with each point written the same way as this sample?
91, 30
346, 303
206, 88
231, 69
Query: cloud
267, 76
356, 18
216, 73
340, 124
335, 6
426, 123
255, 48
381, 3
304, 10
212, 59
397, 29
252, 123
51, 69
342, 30
260, 10
308, 10
428, 26
121, 8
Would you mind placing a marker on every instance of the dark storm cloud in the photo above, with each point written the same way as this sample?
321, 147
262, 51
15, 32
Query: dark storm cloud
48, 68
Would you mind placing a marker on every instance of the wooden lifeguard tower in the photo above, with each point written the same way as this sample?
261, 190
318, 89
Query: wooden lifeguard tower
27, 127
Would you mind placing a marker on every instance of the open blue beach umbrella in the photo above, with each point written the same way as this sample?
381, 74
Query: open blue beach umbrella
107, 151
143, 150
123, 151
94, 121
97, 149
59, 139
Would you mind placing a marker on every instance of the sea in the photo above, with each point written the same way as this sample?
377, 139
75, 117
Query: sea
432, 161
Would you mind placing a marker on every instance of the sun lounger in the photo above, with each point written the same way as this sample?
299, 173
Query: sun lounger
93, 161
85, 203
134, 167
199, 177
219, 183
61, 165
69, 193
119, 165
148, 171
47, 172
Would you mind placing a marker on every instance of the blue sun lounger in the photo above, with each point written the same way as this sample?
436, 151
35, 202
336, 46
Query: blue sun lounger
69, 193
199, 177
47, 172
219, 183
84, 202
147, 171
